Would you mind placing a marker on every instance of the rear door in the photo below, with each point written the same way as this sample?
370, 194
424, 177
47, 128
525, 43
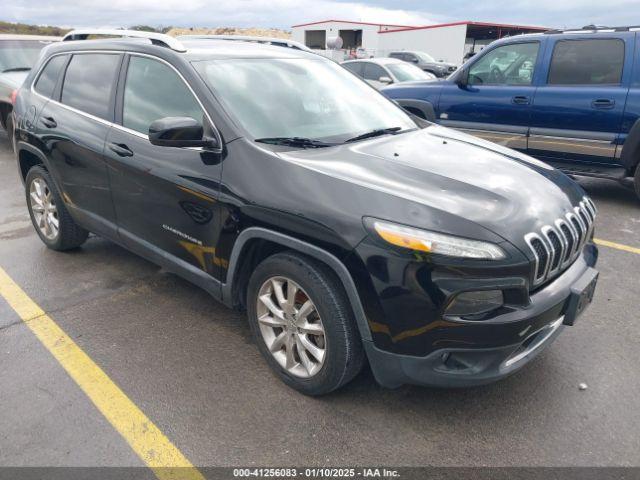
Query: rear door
165, 197
372, 74
496, 103
73, 127
577, 112
355, 68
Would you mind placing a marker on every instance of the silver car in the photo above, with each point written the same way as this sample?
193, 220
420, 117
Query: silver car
18, 53
380, 72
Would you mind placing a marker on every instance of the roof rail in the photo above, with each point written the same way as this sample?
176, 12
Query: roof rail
159, 39
281, 42
595, 29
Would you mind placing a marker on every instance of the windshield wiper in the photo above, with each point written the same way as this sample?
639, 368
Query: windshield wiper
295, 142
17, 69
375, 133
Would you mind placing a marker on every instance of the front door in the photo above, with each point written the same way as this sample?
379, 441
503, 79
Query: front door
577, 112
495, 104
165, 197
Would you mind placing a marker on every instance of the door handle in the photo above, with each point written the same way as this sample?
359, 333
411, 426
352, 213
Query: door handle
120, 149
49, 122
521, 100
603, 103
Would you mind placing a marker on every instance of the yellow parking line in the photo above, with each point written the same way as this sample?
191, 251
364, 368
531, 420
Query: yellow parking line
146, 440
618, 246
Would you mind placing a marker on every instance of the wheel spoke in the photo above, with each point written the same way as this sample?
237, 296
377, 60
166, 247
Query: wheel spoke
279, 293
273, 322
47, 227
306, 309
38, 208
312, 328
38, 185
279, 341
291, 361
35, 200
268, 302
316, 352
292, 290
302, 353
53, 221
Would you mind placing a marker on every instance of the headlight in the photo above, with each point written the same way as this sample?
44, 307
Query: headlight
425, 241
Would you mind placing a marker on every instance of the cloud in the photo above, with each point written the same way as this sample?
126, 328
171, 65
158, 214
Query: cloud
258, 13
284, 13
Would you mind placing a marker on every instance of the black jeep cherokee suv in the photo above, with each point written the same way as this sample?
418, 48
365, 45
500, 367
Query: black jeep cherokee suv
283, 185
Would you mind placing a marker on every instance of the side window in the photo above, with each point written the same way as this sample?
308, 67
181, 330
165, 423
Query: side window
355, 68
410, 57
153, 91
373, 71
47, 80
507, 65
396, 55
587, 62
88, 83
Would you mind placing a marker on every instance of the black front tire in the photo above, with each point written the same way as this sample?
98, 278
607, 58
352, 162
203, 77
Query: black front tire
636, 181
344, 356
70, 235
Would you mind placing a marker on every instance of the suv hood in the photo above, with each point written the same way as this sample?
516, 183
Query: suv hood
13, 79
498, 188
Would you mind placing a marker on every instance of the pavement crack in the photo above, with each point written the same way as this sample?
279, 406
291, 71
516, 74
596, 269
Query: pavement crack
6, 327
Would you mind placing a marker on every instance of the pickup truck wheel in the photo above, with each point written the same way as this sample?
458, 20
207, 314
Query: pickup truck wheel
303, 323
49, 216
636, 181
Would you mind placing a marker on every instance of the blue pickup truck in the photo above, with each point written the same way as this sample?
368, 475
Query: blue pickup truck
570, 98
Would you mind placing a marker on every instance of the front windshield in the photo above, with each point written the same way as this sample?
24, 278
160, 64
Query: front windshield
405, 72
305, 98
425, 57
20, 54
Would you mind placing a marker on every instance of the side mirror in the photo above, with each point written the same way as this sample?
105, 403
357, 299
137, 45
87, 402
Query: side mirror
462, 78
386, 80
179, 132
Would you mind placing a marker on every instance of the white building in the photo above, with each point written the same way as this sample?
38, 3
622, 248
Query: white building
448, 42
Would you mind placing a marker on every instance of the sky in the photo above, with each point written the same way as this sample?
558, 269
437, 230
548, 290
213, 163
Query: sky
285, 13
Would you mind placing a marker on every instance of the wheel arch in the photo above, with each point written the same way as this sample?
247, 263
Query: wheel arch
29, 156
5, 111
256, 243
421, 108
631, 149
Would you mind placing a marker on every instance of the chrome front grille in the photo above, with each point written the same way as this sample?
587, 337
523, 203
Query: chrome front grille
558, 244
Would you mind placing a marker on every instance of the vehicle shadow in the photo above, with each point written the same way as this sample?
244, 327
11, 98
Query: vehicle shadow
606, 190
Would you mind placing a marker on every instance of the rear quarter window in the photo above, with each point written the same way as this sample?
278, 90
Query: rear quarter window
587, 62
46, 82
89, 81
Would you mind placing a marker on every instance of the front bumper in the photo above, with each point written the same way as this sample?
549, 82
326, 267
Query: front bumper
522, 336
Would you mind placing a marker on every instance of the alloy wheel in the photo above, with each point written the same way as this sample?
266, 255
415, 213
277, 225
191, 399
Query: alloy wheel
291, 327
43, 207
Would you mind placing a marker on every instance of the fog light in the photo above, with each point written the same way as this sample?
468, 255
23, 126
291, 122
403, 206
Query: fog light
475, 303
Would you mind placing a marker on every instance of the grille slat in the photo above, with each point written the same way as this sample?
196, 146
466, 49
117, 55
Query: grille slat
561, 243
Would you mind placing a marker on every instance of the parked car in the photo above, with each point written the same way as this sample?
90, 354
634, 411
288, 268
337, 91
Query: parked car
344, 226
380, 72
18, 53
569, 98
426, 62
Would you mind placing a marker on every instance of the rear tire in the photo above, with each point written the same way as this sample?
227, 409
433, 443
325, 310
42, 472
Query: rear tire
291, 343
636, 181
9, 124
49, 216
